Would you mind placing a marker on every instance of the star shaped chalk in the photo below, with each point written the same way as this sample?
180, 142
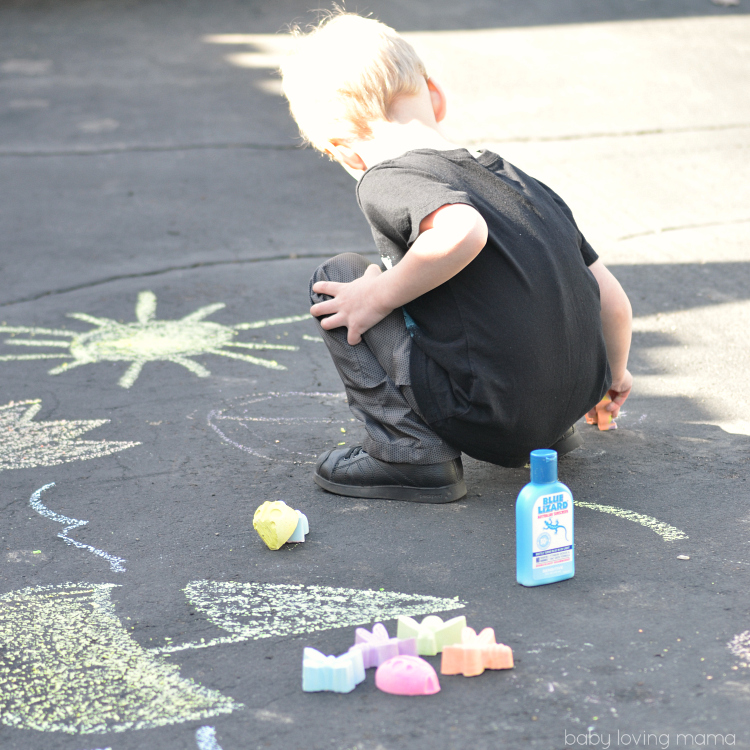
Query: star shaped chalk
432, 633
339, 674
475, 653
378, 646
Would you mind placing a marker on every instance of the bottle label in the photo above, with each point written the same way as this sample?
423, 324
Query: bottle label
552, 533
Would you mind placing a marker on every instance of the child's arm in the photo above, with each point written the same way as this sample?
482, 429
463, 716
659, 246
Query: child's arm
617, 320
450, 238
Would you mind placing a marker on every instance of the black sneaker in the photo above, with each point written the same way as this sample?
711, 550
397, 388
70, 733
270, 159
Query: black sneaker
355, 473
570, 440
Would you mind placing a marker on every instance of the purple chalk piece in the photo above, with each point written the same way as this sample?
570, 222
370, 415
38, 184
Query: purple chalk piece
377, 647
407, 675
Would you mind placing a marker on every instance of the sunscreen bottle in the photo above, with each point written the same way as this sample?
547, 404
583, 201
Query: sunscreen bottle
544, 525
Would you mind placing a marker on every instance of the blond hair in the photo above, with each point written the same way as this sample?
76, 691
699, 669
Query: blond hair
345, 74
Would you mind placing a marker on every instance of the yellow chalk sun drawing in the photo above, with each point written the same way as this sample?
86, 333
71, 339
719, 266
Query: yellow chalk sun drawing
148, 340
25, 444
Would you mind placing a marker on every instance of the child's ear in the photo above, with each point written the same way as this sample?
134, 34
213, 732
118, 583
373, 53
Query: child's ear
346, 156
437, 96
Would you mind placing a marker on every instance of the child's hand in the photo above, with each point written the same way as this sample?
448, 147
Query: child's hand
354, 305
618, 392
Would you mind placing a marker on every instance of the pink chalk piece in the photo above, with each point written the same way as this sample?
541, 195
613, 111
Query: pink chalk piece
377, 647
407, 675
475, 653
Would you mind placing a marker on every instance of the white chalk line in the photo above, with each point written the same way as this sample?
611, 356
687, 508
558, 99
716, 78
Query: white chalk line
221, 641
272, 322
115, 563
205, 738
216, 415
664, 530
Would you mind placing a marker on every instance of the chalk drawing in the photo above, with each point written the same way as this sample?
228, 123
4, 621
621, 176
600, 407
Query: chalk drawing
205, 738
664, 530
740, 647
148, 340
115, 563
25, 444
67, 664
283, 438
251, 611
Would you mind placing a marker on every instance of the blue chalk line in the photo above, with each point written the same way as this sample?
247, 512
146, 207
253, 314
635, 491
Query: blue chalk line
115, 563
205, 738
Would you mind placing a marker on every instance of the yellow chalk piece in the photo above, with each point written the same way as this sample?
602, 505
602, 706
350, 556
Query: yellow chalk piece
275, 522
69, 665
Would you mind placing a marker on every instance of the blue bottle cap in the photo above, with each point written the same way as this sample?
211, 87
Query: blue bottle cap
543, 466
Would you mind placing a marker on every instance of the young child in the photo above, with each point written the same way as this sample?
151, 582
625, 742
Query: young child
494, 327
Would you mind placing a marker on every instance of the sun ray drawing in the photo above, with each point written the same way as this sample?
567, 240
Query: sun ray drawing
148, 339
25, 444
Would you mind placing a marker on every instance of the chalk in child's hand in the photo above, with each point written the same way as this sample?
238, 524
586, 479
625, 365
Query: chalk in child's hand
602, 418
476, 653
605, 419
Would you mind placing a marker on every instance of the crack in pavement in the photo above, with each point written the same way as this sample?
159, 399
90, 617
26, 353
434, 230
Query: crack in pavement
161, 271
604, 134
681, 228
122, 148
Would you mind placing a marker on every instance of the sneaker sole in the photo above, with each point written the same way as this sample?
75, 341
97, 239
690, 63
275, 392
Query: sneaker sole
448, 494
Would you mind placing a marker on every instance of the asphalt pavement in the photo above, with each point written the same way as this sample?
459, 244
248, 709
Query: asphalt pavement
160, 379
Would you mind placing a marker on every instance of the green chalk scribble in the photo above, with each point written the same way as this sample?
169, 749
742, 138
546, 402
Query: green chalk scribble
67, 664
250, 611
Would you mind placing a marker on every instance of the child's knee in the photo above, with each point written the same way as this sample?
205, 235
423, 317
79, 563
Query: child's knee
342, 268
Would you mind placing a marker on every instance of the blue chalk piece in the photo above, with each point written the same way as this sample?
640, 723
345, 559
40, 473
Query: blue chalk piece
339, 674
302, 528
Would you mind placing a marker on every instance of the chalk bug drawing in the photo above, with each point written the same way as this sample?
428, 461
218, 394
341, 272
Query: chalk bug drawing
251, 611
148, 340
115, 563
69, 665
322, 417
25, 443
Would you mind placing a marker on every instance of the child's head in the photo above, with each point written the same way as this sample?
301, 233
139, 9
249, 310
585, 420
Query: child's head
345, 74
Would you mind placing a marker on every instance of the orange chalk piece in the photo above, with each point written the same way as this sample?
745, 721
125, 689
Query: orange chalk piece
604, 419
475, 653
